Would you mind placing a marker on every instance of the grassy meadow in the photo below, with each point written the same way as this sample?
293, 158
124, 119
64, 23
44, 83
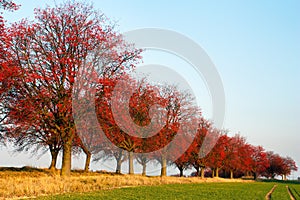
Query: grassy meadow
209, 191
44, 184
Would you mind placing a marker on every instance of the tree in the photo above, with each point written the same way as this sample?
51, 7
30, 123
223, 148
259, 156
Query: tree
141, 104
129, 121
259, 162
112, 152
116, 120
217, 156
30, 138
49, 53
8, 5
4, 63
237, 156
279, 166
198, 161
275, 167
181, 117
124, 115
182, 163
289, 165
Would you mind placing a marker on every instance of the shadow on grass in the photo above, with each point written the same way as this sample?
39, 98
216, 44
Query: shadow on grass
35, 171
21, 169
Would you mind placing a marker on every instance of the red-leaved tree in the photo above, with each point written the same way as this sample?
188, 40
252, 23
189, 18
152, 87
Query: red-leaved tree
48, 53
196, 159
6, 70
260, 162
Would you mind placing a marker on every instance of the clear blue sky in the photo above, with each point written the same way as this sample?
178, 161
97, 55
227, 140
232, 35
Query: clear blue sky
254, 45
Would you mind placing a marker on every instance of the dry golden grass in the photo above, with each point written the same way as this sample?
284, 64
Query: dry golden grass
37, 182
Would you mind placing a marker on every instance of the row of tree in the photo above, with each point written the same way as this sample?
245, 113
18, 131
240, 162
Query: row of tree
234, 157
64, 86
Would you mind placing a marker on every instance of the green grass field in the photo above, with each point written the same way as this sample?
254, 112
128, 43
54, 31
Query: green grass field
255, 190
295, 189
44, 184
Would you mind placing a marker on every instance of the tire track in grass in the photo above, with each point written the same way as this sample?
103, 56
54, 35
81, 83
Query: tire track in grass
269, 194
295, 192
292, 192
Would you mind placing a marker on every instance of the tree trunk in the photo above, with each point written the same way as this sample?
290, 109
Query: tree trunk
213, 173
231, 174
273, 176
202, 172
217, 172
180, 171
163, 166
67, 158
54, 154
144, 169
254, 175
87, 161
130, 159
88, 156
118, 156
119, 163
197, 171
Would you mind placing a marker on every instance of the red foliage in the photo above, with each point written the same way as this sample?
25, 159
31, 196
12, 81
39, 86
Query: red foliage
259, 162
279, 166
8, 5
70, 53
218, 154
133, 118
48, 55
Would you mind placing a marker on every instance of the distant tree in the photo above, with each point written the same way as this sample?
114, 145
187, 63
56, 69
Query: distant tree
112, 153
30, 137
260, 162
181, 122
217, 156
119, 136
237, 156
183, 162
289, 165
276, 165
198, 161
131, 114
141, 102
